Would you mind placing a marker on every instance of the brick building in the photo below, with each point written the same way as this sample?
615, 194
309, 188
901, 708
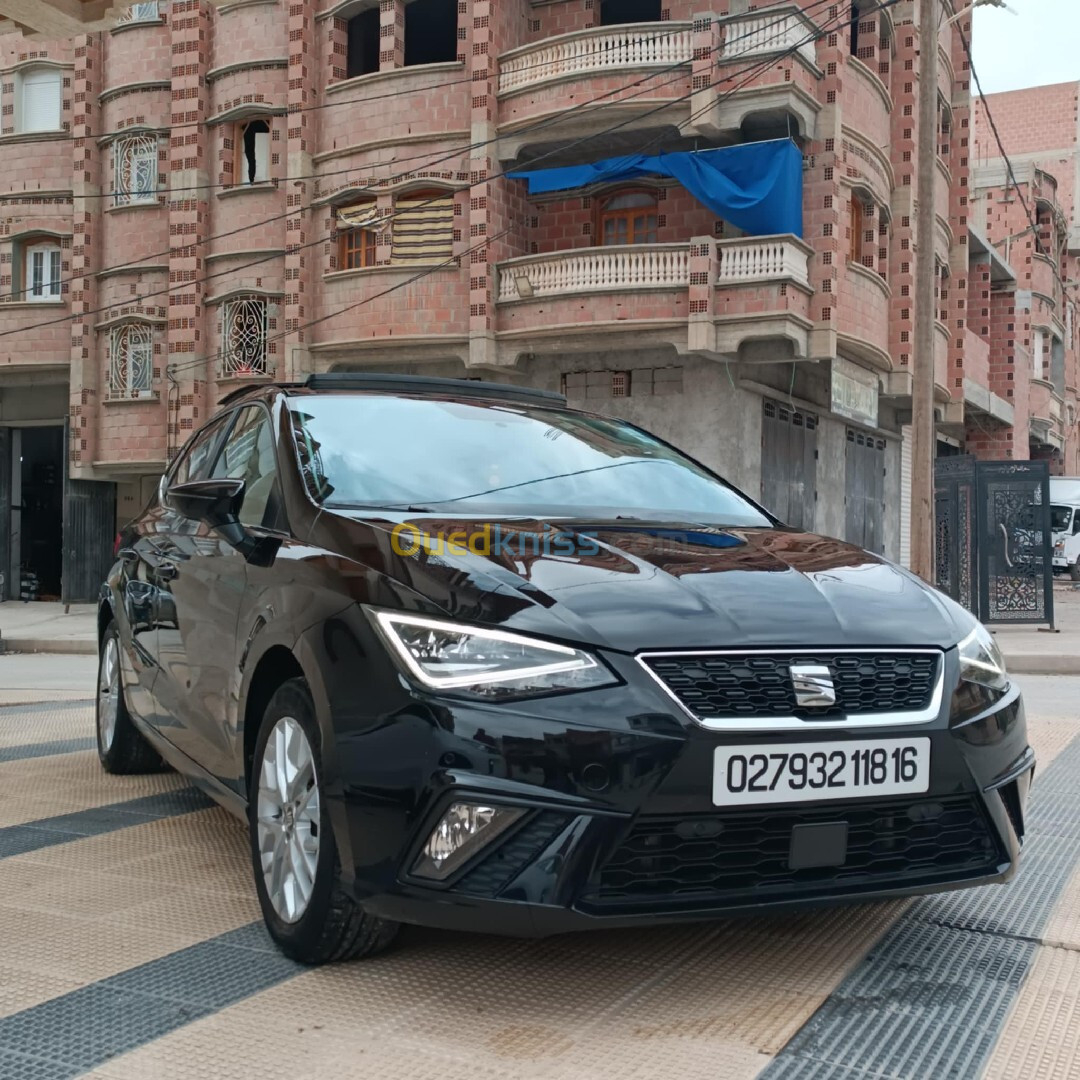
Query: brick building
203, 195
1029, 323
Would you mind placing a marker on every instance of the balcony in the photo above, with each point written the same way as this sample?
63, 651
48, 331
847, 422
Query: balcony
703, 296
773, 31
548, 80
783, 96
602, 49
1044, 415
978, 397
60, 18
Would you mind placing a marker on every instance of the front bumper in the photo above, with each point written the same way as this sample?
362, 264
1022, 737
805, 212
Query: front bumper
621, 829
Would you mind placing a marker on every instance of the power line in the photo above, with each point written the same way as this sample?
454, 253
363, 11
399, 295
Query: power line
174, 368
264, 107
997, 137
752, 69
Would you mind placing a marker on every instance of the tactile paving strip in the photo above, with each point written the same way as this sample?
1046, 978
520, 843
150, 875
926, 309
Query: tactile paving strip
45, 832
931, 998
45, 749
70, 1034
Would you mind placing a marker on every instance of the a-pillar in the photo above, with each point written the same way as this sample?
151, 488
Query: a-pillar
86, 377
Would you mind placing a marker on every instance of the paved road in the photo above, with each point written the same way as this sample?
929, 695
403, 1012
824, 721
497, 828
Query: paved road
130, 947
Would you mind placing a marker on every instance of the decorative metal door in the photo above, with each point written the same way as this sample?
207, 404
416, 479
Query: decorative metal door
1016, 574
864, 490
955, 540
789, 464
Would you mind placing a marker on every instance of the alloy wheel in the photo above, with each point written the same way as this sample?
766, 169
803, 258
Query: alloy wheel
108, 694
287, 819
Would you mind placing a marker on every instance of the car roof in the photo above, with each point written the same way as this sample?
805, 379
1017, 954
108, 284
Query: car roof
412, 385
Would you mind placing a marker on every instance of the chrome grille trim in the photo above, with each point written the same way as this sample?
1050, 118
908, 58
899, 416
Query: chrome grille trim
853, 721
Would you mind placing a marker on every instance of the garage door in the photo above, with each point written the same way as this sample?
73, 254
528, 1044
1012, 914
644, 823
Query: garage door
789, 464
865, 490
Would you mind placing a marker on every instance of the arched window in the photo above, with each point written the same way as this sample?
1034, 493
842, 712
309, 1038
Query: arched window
41, 271
135, 170
613, 12
40, 91
628, 217
131, 360
244, 328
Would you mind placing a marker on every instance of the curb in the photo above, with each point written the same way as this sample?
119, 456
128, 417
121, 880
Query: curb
63, 646
1036, 664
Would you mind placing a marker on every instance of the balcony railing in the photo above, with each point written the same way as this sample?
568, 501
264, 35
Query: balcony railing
768, 33
638, 266
649, 266
630, 46
758, 258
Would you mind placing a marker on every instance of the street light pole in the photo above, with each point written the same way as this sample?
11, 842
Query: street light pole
922, 390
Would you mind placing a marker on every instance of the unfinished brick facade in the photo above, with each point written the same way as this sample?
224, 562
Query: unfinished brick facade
234, 261
1031, 325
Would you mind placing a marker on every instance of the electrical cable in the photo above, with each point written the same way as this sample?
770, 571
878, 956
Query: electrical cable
213, 357
752, 70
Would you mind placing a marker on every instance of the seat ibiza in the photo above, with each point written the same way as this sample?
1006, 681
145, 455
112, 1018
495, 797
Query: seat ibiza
465, 657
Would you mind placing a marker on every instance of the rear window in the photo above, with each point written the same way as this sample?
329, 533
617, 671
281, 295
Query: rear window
377, 451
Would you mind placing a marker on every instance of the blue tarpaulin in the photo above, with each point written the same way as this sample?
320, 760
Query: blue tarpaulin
755, 186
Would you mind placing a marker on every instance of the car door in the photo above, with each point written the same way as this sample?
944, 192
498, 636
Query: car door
208, 592
174, 541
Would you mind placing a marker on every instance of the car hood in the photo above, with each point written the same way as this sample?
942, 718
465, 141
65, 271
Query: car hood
630, 586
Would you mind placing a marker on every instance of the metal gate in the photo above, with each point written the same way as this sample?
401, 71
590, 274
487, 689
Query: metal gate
1016, 572
789, 464
7, 586
993, 538
89, 531
954, 521
864, 490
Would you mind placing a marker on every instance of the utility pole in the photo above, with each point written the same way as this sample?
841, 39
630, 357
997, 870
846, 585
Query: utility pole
923, 450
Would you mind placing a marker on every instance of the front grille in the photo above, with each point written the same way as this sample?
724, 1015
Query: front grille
749, 685
743, 856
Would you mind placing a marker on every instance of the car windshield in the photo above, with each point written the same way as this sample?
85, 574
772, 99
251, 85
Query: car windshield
1060, 516
491, 458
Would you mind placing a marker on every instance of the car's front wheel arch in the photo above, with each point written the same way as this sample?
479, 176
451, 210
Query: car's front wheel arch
274, 668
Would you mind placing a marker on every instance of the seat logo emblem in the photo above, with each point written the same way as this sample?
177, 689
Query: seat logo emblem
813, 684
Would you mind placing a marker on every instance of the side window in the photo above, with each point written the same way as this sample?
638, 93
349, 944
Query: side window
1076, 522
198, 454
248, 455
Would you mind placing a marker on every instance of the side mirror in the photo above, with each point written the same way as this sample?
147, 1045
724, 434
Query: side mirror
216, 502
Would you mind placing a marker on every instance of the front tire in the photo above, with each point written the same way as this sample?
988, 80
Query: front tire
122, 748
1074, 571
295, 860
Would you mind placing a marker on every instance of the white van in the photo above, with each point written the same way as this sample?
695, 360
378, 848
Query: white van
1065, 522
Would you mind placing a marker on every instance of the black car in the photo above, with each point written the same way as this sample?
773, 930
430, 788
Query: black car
465, 657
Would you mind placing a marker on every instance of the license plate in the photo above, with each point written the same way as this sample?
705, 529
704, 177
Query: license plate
804, 772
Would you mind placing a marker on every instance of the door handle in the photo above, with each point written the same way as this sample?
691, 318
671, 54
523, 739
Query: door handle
167, 571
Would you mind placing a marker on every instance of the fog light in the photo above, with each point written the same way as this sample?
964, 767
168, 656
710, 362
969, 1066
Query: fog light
461, 832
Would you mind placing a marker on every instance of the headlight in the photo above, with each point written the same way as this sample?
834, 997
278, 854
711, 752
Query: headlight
489, 664
981, 660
